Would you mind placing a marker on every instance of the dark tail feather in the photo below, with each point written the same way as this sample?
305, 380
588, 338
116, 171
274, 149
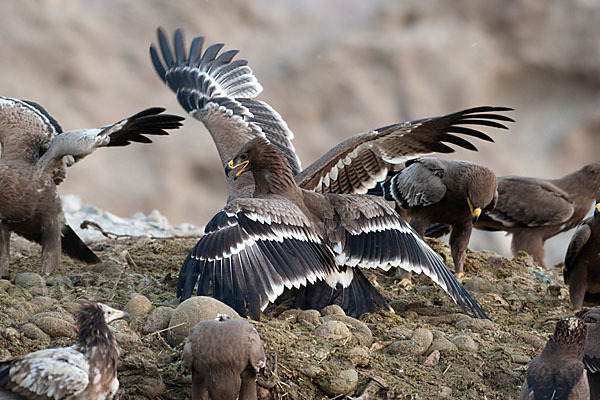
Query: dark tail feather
437, 230
358, 298
74, 247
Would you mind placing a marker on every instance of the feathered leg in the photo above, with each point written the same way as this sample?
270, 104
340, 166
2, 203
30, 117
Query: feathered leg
50, 247
4, 250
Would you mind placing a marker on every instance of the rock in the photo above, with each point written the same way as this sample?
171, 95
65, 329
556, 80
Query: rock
418, 344
28, 280
410, 315
312, 317
59, 280
55, 324
290, 315
158, 319
432, 359
5, 284
10, 334
138, 305
126, 337
72, 307
43, 303
190, 312
358, 328
17, 291
152, 387
445, 392
341, 382
333, 309
33, 332
359, 356
21, 312
520, 359
476, 325
333, 330
108, 267
465, 343
479, 285
441, 343
312, 371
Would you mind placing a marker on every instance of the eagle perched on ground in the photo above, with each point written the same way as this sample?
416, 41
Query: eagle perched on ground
86, 370
35, 154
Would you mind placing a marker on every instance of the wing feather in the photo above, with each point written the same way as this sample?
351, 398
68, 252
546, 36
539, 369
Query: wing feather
395, 144
370, 224
55, 373
269, 244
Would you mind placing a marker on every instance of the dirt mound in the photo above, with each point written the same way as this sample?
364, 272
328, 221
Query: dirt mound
427, 349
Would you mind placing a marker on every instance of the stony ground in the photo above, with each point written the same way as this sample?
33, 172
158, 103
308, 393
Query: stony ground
427, 349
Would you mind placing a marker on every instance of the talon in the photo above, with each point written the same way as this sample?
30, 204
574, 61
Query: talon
405, 282
460, 274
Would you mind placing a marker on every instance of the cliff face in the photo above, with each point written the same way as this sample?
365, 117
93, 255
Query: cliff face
332, 69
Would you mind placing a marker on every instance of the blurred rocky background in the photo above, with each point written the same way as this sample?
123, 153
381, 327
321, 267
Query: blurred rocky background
331, 68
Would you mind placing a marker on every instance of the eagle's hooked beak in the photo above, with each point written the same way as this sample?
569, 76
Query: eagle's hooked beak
597, 210
230, 167
475, 212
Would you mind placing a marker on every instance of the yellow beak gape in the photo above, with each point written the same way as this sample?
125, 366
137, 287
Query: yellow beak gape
474, 212
243, 164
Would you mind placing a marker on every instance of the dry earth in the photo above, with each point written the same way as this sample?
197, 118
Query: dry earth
427, 349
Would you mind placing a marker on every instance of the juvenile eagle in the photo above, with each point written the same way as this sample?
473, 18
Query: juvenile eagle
86, 370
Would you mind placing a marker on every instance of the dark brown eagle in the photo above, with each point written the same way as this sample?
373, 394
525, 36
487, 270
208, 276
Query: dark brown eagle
558, 372
224, 356
220, 91
35, 154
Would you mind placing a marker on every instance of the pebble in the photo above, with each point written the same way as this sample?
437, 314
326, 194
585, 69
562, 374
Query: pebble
28, 280
43, 303
33, 332
5, 284
340, 383
519, 359
333, 330
418, 344
11, 334
441, 343
124, 335
333, 309
158, 319
290, 315
190, 312
465, 343
138, 305
358, 328
59, 280
432, 359
359, 356
476, 325
311, 317
55, 324
479, 285
445, 392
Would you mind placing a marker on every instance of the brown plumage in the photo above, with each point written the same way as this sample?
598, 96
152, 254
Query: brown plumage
533, 210
35, 153
224, 356
286, 236
591, 357
85, 371
221, 91
582, 260
444, 191
558, 372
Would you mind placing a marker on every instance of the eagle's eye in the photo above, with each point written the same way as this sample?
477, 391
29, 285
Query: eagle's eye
243, 156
